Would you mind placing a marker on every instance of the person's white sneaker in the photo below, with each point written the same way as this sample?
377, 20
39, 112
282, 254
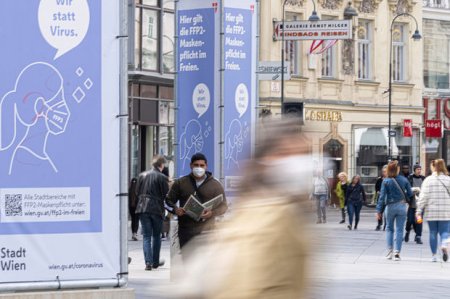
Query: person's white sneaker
433, 259
397, 256
389, 254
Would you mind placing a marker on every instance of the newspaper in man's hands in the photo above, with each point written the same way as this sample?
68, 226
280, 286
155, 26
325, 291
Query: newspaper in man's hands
194, 208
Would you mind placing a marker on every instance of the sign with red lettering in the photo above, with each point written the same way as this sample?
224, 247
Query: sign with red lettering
433, 128
407, 128
318, 30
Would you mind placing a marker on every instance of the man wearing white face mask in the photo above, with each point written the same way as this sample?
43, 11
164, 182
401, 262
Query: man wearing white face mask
204, 187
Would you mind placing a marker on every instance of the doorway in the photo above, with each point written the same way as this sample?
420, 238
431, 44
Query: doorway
333, 158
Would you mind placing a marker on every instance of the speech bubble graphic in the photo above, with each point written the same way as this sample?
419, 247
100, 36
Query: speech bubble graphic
201, 99
241, 99
63, 23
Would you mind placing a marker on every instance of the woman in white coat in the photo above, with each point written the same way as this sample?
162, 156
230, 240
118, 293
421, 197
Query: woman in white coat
434, 200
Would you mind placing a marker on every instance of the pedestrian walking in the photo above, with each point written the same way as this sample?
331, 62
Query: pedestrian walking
434, 200
406, 171
151, 189
264, 250
341, 189
394, 195
377, 197
202, 184
415, 180
132, 202
355, 197
321, 194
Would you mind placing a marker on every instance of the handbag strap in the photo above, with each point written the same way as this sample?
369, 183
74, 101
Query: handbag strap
448, 192
399, 188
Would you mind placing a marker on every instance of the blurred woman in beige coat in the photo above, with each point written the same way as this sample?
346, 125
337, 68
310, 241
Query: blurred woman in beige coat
262, 251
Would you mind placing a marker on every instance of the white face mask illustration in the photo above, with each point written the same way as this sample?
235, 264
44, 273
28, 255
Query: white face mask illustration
57, 116
197, 141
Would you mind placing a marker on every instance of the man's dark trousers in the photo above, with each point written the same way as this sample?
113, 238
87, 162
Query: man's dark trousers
151, 225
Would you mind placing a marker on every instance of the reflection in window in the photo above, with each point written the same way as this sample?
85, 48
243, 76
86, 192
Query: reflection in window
329, 57
137, 39
149, 39
292, 51
371, 148
166, 112
436, 53
168, 43
150, 2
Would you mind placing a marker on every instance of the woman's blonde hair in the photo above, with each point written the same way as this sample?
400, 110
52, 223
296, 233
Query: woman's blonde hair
344, 175
439, 167
392, 169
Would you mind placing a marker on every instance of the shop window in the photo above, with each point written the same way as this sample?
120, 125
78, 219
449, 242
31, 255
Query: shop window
371, 151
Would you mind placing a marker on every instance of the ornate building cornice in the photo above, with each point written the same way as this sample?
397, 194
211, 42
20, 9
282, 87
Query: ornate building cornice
367, 6
295, 3
331, 4
401, 6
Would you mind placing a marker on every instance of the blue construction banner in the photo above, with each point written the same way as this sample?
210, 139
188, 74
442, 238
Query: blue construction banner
53, 140
239, 87
197, 81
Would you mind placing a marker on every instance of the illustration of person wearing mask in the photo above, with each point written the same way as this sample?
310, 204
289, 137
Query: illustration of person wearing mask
233, 143
30, 113
191, 141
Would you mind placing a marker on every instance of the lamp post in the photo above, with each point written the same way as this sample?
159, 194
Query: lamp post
313, 18
416, 37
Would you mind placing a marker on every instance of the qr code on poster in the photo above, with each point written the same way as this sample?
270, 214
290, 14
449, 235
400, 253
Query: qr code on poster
13, 204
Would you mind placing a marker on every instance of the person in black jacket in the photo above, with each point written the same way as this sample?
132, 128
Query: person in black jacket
377, 191
132, 202
151, 188
354, 197
415, 180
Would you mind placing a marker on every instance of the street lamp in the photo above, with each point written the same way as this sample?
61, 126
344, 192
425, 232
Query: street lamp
416, 37
313, 18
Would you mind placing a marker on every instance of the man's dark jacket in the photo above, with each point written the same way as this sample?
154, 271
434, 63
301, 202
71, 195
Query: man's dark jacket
186, 186
151, 188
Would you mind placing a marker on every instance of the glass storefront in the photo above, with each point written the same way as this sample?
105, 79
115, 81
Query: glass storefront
151, 109
371, 152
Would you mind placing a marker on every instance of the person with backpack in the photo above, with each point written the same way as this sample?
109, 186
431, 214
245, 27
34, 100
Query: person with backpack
355, 197
434, 200
394, 195
321, 193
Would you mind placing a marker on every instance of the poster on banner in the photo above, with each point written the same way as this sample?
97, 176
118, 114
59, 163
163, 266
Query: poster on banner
239, 87
52, 142
196, 81
407, 128
433, 128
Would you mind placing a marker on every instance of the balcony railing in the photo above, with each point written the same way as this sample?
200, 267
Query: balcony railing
442, 4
